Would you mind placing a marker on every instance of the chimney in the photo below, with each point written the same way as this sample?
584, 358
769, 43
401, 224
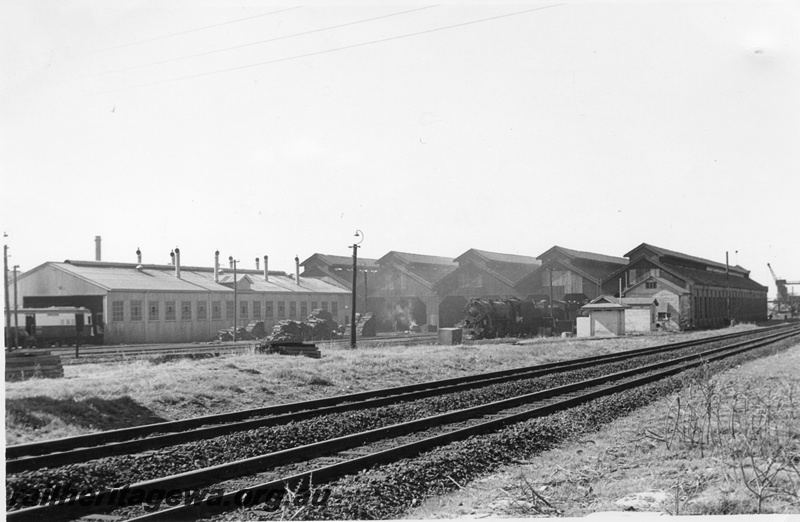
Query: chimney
266, 270
296, 270
257, 265
216, 266
97, 256
177, 262
138, 256
172, 255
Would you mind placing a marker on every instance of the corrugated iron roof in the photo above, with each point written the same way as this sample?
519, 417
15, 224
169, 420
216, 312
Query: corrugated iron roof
591, 256
419, 259
342, 261
500, 257
679, 255
126, 276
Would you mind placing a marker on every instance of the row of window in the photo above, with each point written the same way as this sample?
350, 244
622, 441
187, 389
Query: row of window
199, 311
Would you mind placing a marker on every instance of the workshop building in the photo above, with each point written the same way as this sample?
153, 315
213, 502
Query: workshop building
480, 274
692, 292
146, 303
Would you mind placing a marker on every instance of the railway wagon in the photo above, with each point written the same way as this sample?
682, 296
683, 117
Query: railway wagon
54, 325
489, 318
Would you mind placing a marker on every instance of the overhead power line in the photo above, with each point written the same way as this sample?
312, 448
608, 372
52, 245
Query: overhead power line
260, 42
335, 49
200, 28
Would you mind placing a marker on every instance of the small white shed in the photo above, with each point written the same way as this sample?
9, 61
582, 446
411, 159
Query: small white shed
640, 316
606, 318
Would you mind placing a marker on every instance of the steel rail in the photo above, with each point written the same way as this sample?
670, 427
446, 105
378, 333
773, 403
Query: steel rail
88, 447
61, 510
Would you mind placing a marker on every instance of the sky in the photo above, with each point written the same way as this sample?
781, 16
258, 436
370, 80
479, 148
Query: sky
280, 129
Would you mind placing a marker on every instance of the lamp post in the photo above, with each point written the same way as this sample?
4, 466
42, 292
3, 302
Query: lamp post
355, 281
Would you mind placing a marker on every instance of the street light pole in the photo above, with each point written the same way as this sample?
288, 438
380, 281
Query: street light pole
355, 281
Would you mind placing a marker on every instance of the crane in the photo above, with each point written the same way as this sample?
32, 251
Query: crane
784, 302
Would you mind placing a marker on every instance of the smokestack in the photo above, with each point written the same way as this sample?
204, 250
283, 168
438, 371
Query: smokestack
726, 264
172, 257
138, 256
266, 268
97, 256
216, 266
257, 265
296, 270
177, 262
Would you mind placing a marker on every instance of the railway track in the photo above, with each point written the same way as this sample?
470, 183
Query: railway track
91, 352
81, 448
329, 459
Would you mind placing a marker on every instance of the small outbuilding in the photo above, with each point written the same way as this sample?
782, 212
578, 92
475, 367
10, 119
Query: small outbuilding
605, 318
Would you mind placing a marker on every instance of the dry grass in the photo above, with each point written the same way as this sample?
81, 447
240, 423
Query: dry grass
94, 397
732, 448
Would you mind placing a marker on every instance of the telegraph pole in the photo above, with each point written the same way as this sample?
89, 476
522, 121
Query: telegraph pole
16, 317
7, 329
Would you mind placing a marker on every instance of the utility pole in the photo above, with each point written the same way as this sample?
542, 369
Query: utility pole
7, 329
16, 317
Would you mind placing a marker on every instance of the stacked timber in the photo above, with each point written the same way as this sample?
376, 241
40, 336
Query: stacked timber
26, 364
290, 348
365, 326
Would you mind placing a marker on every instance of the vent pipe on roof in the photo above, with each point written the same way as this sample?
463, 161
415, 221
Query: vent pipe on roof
257, 265
266, 268
97, 241
296, 270
177, 262
216, 266
230, 261
138, 255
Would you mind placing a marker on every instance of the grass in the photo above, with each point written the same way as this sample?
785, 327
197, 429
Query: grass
723, 445
100, 396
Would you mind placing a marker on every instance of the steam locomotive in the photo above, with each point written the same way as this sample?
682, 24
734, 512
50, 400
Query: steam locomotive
490, 318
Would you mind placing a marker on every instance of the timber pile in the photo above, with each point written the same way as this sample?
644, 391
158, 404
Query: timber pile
26, 364
291, 348
365, 326
319, 327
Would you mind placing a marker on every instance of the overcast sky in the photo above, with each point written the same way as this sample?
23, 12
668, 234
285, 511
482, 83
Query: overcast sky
271, 128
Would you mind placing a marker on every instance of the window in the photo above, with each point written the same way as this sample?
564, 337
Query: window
152, 311
170, 312
136, 310
314, 305
663, 316
651, 284
117, 311
325, 306
216, 310
334, 308
268, 309
186, 310
292, 309
243, 309
229, 310
257, 310
202, 312
281, 309
304, 309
